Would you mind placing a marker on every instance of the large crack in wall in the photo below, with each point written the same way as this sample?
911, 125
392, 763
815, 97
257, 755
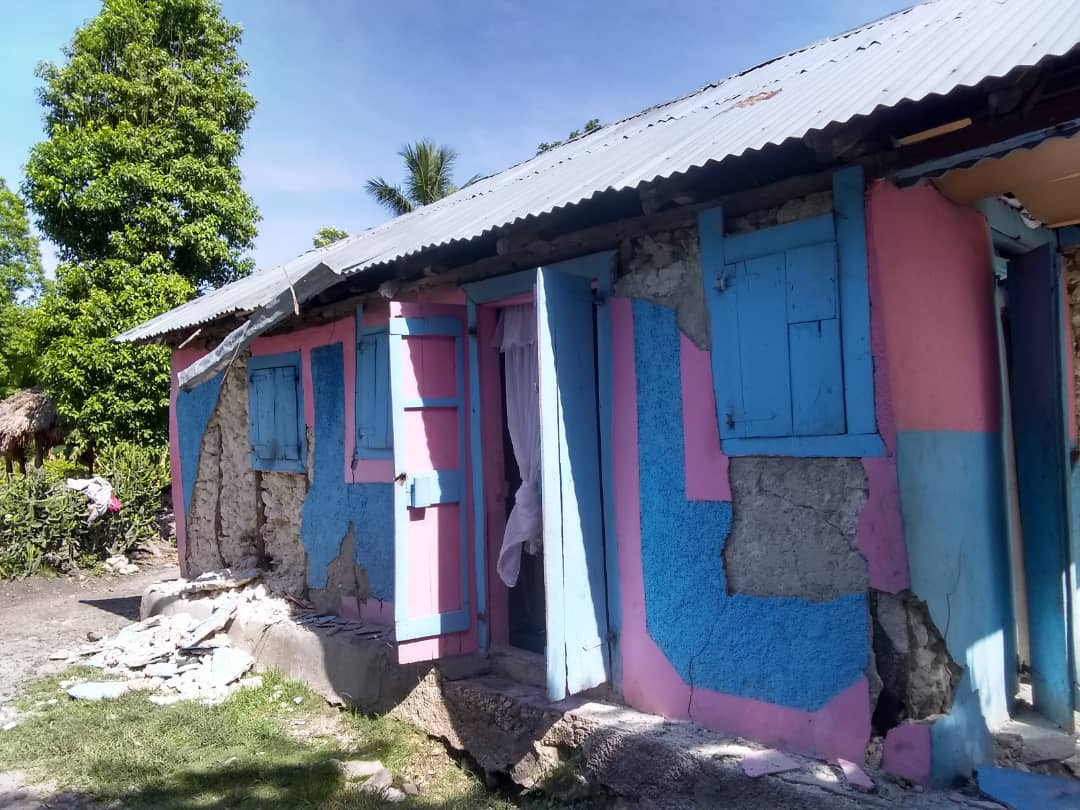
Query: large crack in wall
239, 518
282, 497
344, 578
221, 523
793, 527
918, 677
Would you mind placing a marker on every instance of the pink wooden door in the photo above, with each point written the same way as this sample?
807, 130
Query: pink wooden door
434, 614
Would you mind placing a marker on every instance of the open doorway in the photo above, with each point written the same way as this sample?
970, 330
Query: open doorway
519, 394
548, 570
1031, 311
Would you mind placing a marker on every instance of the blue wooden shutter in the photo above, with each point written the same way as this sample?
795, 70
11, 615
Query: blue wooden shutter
286, 413
777, 354
261, 403
276, 413
374, 422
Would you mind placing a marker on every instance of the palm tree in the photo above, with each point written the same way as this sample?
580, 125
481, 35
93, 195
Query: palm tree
428, 167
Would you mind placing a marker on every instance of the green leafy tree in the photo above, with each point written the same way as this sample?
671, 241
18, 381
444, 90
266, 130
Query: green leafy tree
138, 185
591, 125
327, 236
21, 282
20, 254
429, 169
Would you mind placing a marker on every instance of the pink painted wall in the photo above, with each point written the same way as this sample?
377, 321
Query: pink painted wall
706, 464
934, 338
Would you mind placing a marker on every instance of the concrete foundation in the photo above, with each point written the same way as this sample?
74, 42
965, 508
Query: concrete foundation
510, 729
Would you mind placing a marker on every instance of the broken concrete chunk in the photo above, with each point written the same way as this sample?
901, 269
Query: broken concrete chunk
767, 761
98, 690
360, 768
220, 581
228, 665
379, 782
855, 775
214, 622
163, 669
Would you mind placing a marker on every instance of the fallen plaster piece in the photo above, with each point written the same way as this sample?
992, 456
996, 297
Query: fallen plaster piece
227, 665
359, 768
979, 804
214, 622
855, 775
1029, 791
768, 761
98, 690
163, 669
379, 782
732, 750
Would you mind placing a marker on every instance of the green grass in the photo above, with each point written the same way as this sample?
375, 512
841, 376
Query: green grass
239, 754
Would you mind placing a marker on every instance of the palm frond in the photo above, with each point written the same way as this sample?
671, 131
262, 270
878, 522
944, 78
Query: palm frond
430, 168
389, 196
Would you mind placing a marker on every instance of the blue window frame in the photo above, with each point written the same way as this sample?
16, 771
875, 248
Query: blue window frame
276, 413
790, 313
374, 422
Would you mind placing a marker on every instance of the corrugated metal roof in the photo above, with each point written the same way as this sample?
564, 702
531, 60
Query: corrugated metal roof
930, 49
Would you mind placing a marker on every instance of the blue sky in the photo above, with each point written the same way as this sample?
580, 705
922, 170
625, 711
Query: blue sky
342, 84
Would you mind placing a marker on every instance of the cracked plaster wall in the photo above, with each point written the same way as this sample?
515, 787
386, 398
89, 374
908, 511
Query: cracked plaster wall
239, 517
665, 268
793, 652
221, 523
793, 527
281, 498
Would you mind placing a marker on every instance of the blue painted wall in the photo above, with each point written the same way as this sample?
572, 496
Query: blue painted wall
789, 652
954, 523
193, 411
332, 505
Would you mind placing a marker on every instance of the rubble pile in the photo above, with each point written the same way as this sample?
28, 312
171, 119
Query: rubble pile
178, 657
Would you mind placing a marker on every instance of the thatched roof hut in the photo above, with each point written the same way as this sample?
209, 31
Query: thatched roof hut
28, 420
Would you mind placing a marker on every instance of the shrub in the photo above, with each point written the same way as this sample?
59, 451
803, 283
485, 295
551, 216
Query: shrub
138, 475
43, 524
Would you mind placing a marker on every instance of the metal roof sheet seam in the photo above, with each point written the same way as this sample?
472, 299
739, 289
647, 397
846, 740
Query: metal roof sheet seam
929, 49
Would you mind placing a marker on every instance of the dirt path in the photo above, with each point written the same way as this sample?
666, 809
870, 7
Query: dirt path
40, 616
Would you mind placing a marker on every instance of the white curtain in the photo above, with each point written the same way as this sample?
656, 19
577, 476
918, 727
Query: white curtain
515, 336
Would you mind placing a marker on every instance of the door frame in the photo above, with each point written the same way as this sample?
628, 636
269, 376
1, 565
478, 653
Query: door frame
1012, 239
596, 267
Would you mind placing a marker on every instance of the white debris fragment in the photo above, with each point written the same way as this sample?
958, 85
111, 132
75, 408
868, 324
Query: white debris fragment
215, 622
163, 669
228, 665
98, 690
177, 657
